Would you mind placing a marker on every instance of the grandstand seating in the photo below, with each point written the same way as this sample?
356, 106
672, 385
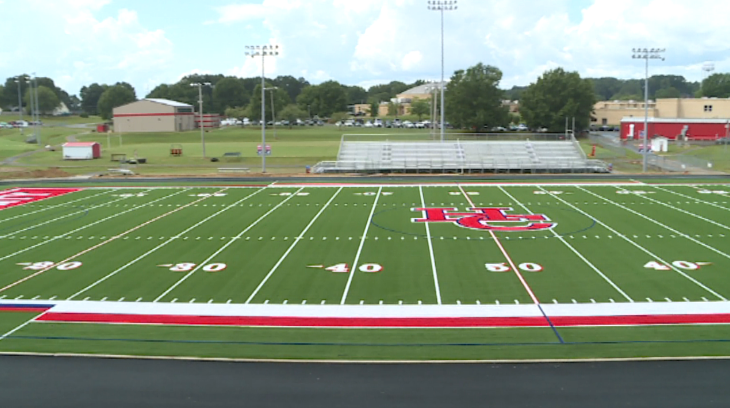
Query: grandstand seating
469, 156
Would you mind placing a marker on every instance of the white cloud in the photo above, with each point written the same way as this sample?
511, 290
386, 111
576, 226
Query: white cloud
411, 60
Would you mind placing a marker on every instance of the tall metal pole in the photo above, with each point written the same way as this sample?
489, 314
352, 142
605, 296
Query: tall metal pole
273, 112
442, 6
263, 52
200, 114
647, 54
37, 120
20, 99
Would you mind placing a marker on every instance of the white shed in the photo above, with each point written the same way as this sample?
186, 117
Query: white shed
81, 150
659, 144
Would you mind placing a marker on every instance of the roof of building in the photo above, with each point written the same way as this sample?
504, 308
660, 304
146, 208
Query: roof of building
424, 89
80, 144
167, 102
640, 119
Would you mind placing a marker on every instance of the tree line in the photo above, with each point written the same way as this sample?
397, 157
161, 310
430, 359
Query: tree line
473, 96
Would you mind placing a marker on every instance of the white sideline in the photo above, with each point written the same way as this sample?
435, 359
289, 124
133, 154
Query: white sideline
430, 252
641, 248
62, 217
658, 223
691, 198
164, 243
89, 225
221, 249
575, 251
296, 241
87, 250
380, 311
359, 249
54, 206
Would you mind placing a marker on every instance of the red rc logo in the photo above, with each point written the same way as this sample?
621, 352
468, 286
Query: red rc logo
20, 196
484, 219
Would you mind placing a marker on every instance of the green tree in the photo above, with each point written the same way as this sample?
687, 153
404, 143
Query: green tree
606, 87
356, 94
47, 100
281, 99
339, 117
292, 86
374, 109
114, 96
238, 112
420, 107
292, 112
90, 97
230, 92
670, 92
717, 86
394, 109
323, 99
558, 94
473, 98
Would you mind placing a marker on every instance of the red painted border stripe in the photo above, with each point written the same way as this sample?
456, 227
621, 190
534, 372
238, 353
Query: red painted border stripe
425, 322
282, 321
24, 309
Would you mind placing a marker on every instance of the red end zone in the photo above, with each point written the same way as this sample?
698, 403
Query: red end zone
20, 196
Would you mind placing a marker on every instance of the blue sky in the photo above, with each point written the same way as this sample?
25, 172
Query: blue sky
356, 42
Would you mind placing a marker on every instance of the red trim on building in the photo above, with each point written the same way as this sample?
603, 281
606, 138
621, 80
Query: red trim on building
121, 115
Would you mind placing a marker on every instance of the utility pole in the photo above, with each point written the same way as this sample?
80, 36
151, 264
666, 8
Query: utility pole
200, 116
442, 6
263, 52
647, 54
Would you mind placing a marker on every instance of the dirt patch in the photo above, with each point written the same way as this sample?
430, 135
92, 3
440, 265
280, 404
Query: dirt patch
20, 173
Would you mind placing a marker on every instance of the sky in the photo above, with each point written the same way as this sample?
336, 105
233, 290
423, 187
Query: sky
355, 42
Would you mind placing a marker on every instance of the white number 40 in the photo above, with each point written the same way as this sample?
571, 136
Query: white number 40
690, 266
503, 267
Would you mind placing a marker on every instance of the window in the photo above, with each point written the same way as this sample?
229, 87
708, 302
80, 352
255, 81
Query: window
708, 108
184, 110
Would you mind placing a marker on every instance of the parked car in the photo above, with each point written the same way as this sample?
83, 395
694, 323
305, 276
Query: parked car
723, 141
368, 124
4, 125
522, 127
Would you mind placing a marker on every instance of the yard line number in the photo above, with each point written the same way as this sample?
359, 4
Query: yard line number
345, 268
189, 266
689, 266
37, 266
503, 267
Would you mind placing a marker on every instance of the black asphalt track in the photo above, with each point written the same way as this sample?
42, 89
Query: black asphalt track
79, 382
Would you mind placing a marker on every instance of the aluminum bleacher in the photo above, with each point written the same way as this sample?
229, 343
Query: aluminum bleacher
475, 154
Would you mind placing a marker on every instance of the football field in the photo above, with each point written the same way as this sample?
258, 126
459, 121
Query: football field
438, 246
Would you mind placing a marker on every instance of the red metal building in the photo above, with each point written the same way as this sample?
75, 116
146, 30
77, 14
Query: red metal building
695, 129
210, 120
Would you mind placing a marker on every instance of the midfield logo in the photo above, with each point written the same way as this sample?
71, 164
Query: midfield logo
485, 219
20, 196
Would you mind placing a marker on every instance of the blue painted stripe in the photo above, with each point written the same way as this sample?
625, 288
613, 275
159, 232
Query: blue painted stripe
25, 306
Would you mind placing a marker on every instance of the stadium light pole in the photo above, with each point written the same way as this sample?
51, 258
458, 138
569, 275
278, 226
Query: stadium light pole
18, 80
200, 114
37, 113
273, 112
264, 51
647, 54
706, 67
442, 6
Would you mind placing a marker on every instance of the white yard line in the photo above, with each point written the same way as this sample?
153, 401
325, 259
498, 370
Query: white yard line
691, 198
87, 250
359, 249
89, 225
10, 333
506, 255
53, 206
575, 251
296, 241
62, 217
717, 251
164, 244
430, 251
221, 249
682, 211
641, 248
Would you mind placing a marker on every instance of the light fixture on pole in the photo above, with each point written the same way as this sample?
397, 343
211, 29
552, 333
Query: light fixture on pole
264, 51
273, 112
18, 80
647, 54
442, 6
200, 114
707, 67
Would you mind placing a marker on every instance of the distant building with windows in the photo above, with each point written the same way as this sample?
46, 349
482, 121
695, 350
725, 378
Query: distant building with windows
154, 115
613, 112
